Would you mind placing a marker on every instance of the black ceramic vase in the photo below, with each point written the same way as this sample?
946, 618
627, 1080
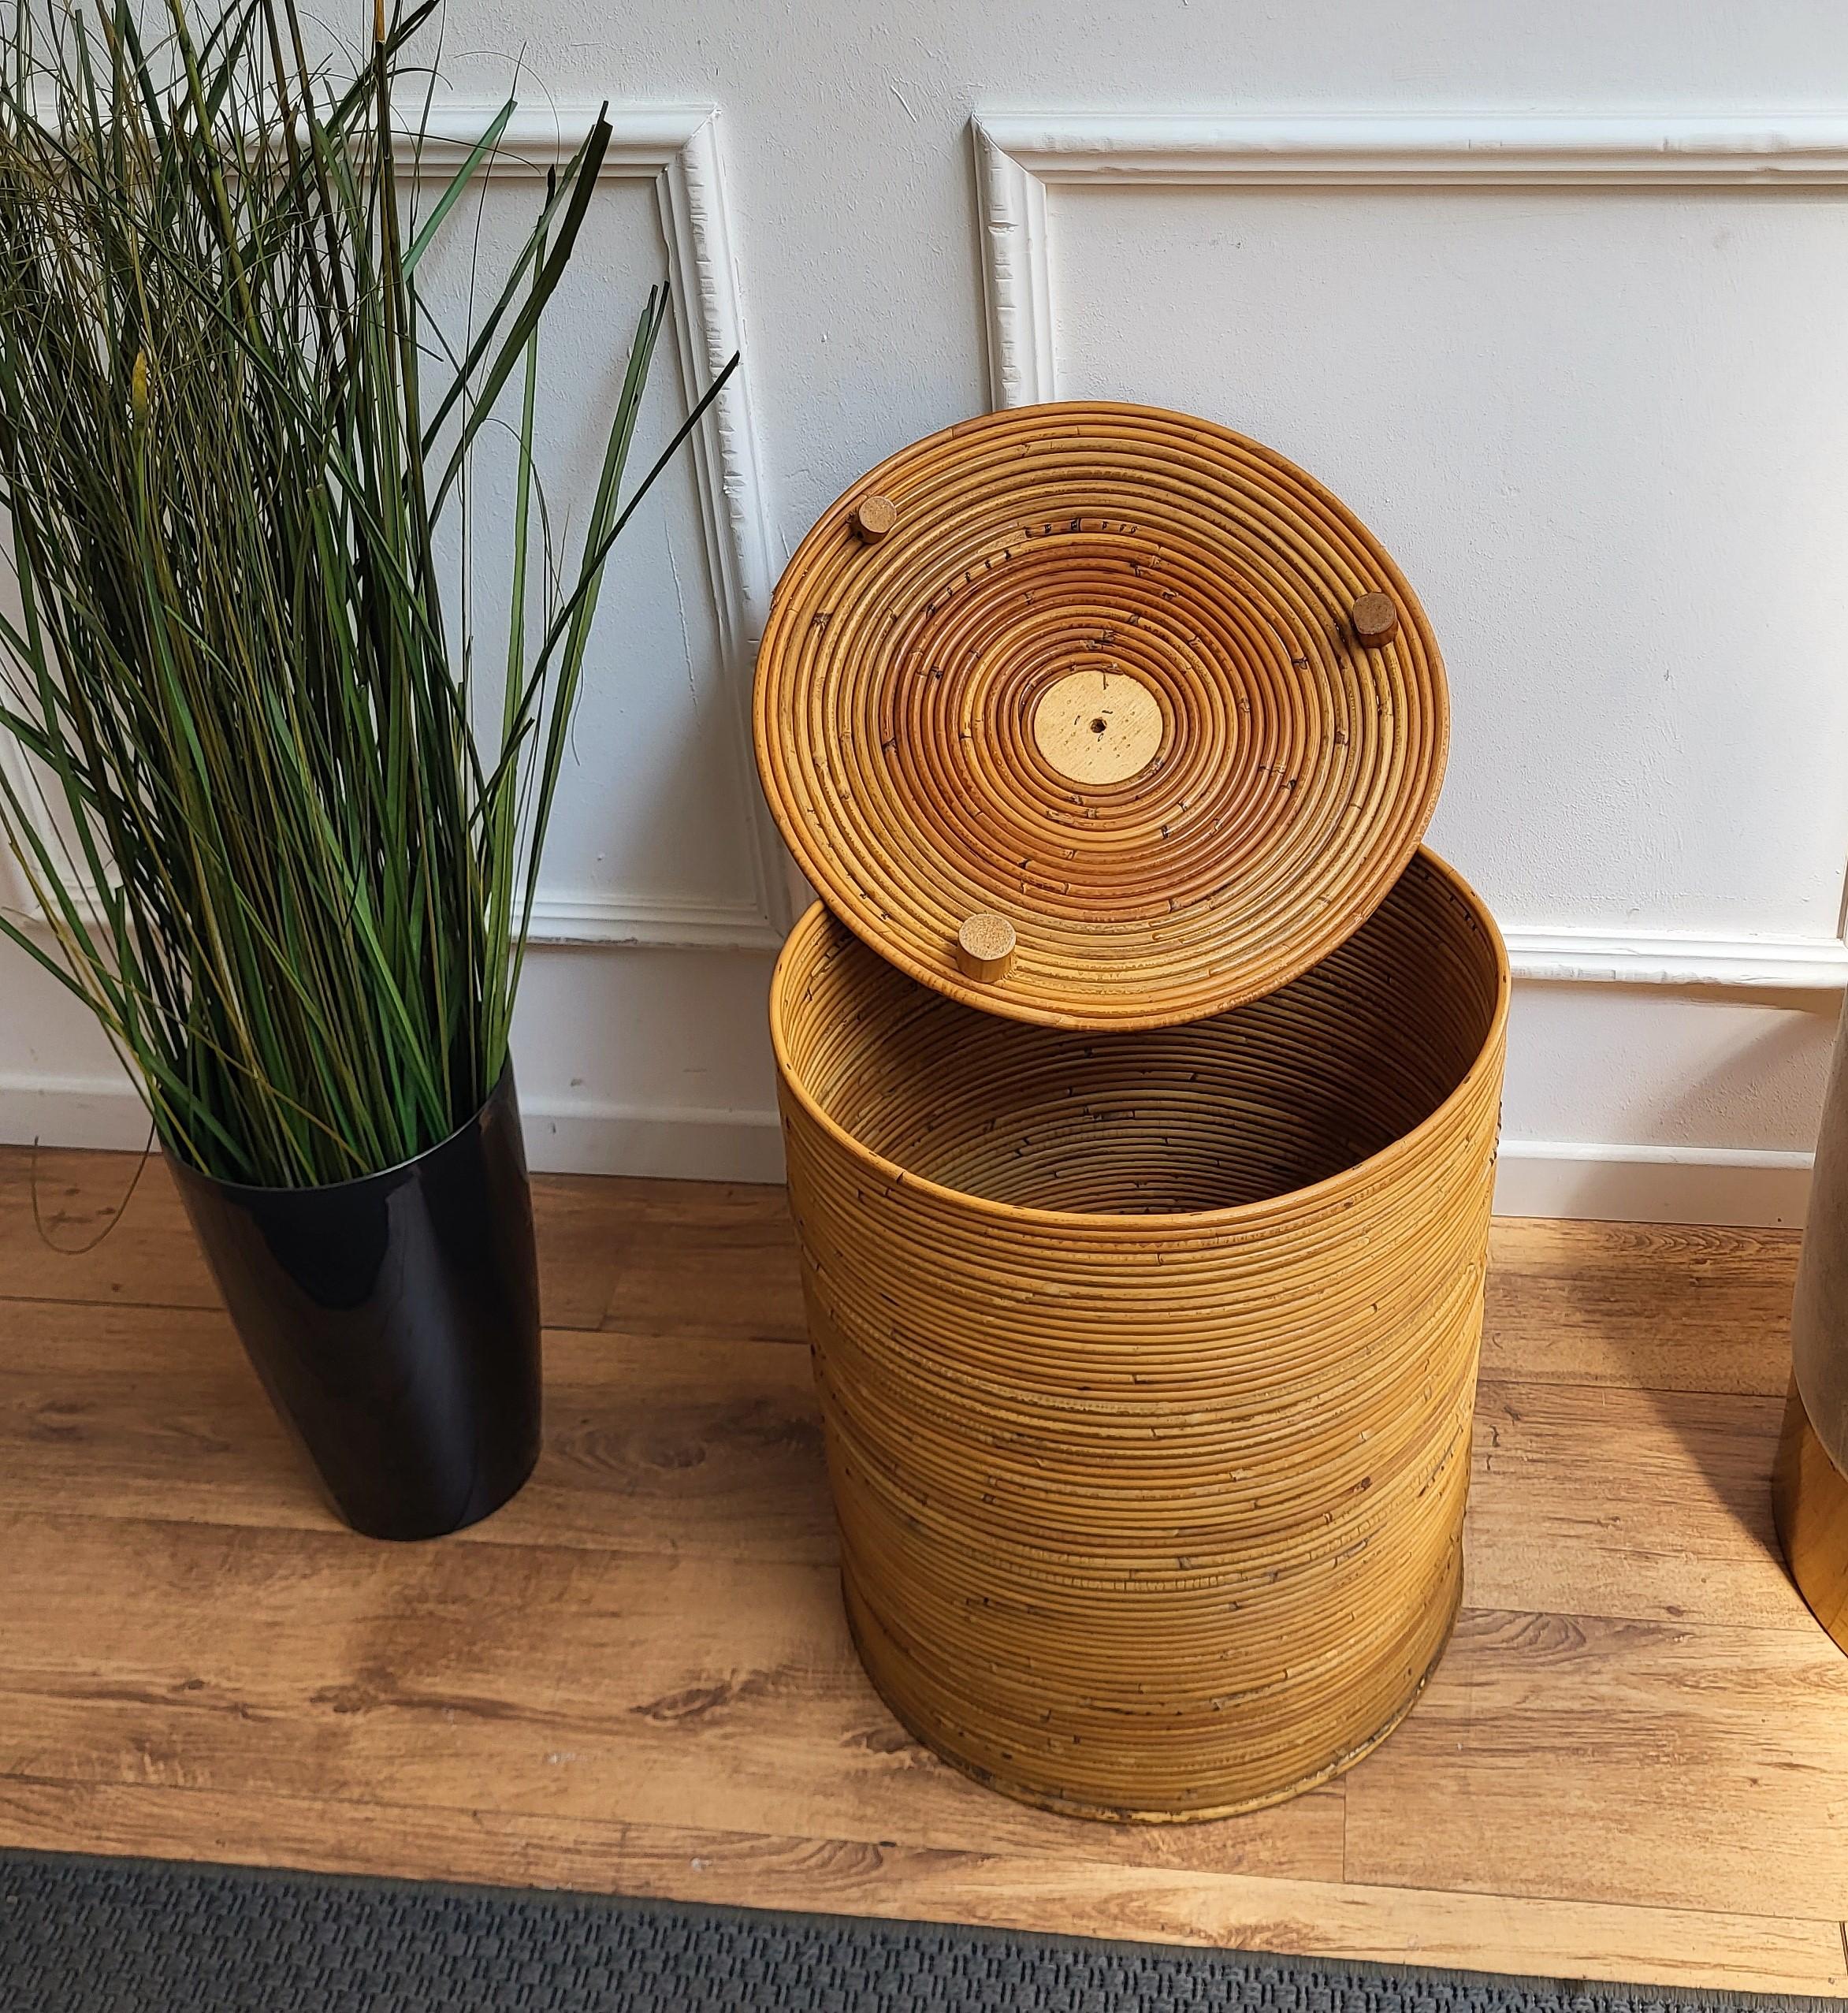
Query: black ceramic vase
395, 1322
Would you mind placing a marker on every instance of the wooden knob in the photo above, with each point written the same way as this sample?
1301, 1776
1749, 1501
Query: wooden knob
1375, 618
1098, 727
985, 947
874, 516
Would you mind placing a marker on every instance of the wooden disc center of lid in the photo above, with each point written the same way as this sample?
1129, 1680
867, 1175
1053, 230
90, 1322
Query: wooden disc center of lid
1098, 726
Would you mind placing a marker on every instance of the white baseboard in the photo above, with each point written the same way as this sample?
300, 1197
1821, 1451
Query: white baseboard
1743, 1186
686, 1145
566, 1137
1746, 1186
89, 1111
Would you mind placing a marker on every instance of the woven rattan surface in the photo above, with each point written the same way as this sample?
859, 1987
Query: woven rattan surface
1239, 782
1147, 1359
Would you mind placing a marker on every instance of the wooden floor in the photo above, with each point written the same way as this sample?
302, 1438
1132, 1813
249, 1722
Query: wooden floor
1633, 1763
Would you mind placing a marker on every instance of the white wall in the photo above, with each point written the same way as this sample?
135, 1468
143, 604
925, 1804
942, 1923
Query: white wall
1555, 295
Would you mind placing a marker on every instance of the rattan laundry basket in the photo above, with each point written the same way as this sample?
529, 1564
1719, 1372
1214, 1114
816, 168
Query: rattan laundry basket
1143, 1240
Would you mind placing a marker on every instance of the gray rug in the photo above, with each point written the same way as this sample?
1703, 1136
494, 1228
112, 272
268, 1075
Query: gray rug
80, 1935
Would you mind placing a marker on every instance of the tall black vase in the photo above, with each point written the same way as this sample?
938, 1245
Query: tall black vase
395, 1322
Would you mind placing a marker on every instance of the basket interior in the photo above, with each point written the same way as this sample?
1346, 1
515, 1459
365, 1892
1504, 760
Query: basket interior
1272, 1096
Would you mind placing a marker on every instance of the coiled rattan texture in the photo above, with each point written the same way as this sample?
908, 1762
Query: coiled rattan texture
1289, 770
1147, 1360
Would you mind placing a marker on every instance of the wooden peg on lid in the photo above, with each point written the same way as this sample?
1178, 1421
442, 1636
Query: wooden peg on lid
985, 947
1375, 618
873, 517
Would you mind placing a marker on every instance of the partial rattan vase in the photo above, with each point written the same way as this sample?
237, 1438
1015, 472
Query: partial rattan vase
1147, 1358
1810, 1487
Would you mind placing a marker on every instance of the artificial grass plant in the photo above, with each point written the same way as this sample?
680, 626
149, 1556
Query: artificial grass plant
285, 865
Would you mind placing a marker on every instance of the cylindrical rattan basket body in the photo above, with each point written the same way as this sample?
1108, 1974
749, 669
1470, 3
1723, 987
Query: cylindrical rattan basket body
1147, 1358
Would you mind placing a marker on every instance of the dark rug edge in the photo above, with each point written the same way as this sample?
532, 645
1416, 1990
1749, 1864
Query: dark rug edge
1567, 1987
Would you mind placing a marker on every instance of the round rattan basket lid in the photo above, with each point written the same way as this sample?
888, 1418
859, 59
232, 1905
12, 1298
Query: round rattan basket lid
1097, 716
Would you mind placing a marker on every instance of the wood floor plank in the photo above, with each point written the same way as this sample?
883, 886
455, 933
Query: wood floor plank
1639, 1505
1632, 1764
719, 1693
1058, 1892
1597, 1760
704, 1258
1651, 1306
652, 1445
97, 1227
577, 1267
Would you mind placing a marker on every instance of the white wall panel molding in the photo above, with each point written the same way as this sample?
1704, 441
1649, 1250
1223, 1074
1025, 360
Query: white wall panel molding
1018, 157
675, 148
597, 918
1785, 964
1424, 149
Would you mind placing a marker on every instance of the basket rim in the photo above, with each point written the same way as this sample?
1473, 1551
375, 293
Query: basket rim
1229, 1216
